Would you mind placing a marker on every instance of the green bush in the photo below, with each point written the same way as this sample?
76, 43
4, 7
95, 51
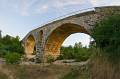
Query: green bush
13, 58
3, 53
107, 36
67, 53
82, 54
60, 57
50, 59
10, 44
77, 52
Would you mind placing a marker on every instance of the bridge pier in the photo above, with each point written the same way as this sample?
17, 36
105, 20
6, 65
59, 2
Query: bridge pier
39, 53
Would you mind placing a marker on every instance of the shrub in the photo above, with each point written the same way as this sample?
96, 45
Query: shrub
77, 52
10, 44
107, 36
13, 58
3, 53
50, 59
82, 54
60, 57
67, 53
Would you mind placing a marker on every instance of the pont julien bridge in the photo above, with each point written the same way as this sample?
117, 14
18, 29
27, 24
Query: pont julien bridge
47, 39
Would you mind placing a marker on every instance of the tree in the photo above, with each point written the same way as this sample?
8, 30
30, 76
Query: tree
9, 44
107, 36
78, 45
76, 52
67, 52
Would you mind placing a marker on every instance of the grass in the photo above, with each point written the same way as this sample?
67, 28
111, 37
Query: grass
78, 73
47, 72
34, 71
3, 76
73, 74
102, 68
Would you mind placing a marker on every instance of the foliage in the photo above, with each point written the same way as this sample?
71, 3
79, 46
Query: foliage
77, 52
107, 36
67, 53
50, 58
10, 44
82, 55
13, 58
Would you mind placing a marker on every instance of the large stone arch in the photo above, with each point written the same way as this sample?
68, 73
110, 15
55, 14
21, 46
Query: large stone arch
55, 32
58, 35
30, 46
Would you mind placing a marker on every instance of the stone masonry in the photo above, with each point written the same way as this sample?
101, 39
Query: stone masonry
47, 39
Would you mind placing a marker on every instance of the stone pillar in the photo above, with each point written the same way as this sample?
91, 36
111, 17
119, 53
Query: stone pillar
39, 52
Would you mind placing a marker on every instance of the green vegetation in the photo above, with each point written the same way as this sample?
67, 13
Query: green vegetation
9, 45
13, 58
105, 64
78, 73
107, 36
77, 52
50, 59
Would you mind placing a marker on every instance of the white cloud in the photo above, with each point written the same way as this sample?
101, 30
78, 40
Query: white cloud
62, 3
105, 2
42, 9
94, 2
25, 6
115, 2
99, 2
28, 7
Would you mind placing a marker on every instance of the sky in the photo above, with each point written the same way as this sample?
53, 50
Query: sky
18, 17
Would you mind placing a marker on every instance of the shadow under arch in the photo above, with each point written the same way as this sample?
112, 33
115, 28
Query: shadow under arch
30, 46
57, 37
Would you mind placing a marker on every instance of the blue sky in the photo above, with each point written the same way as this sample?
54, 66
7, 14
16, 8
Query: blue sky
18, 17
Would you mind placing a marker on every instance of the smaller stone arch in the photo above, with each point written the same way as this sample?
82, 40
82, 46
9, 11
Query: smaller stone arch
30, 47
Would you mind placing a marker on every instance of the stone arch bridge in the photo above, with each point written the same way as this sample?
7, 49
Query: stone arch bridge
47, 39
